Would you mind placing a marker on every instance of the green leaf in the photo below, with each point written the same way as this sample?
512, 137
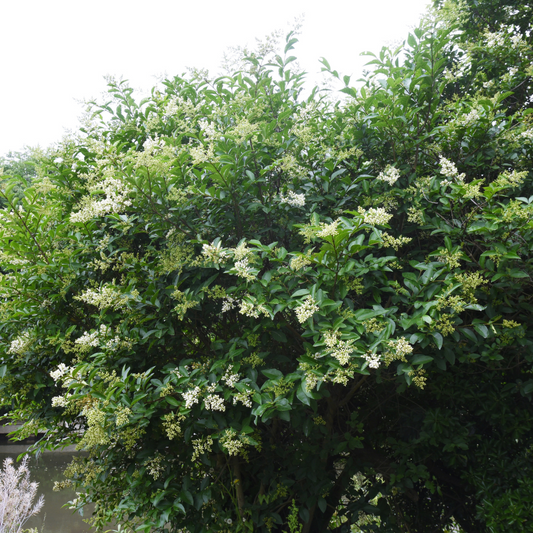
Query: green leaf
301, 395
482, 330
438, 339
420, 359
273, 373
172, 401
469, 334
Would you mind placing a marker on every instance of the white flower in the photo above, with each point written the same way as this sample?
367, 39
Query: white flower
20, 344
61, 370
214, 403
331, 338
307, 309
375, 216
214, 253
115, 201
244, 398
469, 118
228, 304
401, 347
450, 170
89, 339
253, 309
342, 352
208, 128
103, 297
59, 401
229, 378
389, 175
248, 309
328, 230
293, 199
241, 251
300, 261
243, 270
191, 397
373, 359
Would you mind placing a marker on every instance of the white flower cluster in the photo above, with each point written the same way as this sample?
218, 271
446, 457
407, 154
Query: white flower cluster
214, 402
60, 401
201, 154
104, 297
337, 348
328, 230
241, 251
331, 338
230, 379
299, 262
92, 339
469, 118
375, 216
373, 359
200, 447
511, 179
13, 261
208, 128
495, 39
176, 106
122, 416
252, 309
401, 347
307, 309
61, 370
244, 130
244, 398
154, 466
293, 199
228, 304
389, 175
232, 444
20, 344
342, 352
115, 201
498, 39
450, 170
244, 270
528, 134
191, 397
215, 253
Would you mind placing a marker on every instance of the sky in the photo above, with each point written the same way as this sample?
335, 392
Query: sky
57, 53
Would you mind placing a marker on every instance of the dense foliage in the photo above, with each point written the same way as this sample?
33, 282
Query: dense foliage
22, 167
255, 309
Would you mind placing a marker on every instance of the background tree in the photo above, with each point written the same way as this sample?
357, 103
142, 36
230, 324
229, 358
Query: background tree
252, 303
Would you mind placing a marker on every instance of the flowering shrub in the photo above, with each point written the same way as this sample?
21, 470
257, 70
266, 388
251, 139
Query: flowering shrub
242, 299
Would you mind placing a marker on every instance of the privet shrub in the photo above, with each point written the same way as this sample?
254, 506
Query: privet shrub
244, 303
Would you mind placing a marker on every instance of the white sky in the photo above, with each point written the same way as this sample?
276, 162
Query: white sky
56, 52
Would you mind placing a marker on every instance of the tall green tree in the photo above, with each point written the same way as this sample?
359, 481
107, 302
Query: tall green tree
258, 312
